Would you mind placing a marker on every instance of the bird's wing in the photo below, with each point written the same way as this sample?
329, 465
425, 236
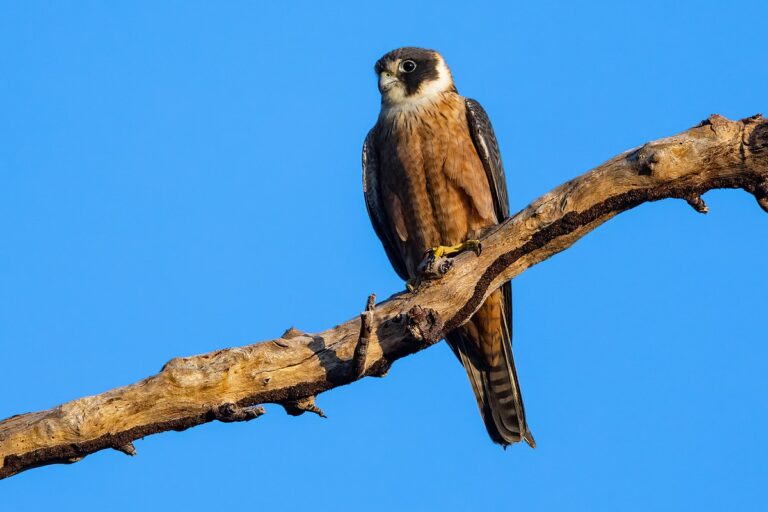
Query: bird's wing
376, 210
488, 150
495, 385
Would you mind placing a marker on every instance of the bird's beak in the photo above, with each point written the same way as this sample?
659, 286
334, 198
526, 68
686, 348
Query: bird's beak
386, 81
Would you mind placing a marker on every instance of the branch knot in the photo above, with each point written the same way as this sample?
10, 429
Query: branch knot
302, 405
697, 203
229, 412
761, 194
423, 324
366, 327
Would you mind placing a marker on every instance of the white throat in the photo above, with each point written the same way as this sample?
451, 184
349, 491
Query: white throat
395, 99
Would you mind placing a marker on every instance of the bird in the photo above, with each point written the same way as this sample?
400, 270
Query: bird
433, 181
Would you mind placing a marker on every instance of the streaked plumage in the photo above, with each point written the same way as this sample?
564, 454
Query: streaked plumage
432, 175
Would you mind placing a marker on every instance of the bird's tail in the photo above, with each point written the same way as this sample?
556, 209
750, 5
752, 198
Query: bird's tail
495, 384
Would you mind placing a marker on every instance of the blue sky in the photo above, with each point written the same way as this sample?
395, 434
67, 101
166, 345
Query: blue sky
179, 177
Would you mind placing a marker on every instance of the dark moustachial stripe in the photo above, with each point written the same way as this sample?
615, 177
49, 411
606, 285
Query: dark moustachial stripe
426, 67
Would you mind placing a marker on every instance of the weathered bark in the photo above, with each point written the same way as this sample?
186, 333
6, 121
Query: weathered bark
227, 385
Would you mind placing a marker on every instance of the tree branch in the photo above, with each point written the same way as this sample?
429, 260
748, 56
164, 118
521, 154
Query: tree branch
227, 385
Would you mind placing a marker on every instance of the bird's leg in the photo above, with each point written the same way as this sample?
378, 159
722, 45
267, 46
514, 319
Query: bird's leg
448, 250
436, 262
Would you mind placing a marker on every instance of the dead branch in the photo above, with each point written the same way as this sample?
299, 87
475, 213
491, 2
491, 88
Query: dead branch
227, 385
366, 326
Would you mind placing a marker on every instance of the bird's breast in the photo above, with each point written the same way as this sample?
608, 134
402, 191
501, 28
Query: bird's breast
433, 183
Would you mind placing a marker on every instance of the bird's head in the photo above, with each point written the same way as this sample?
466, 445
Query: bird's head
412, 75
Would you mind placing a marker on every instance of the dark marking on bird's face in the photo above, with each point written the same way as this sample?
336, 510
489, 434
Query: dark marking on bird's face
411, 67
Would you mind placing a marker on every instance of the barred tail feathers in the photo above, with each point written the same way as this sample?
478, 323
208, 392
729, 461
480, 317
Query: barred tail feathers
495, 385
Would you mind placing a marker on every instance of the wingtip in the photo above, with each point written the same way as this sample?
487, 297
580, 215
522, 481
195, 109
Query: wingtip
528, 437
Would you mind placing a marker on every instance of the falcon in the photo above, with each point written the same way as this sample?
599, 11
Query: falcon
433, 181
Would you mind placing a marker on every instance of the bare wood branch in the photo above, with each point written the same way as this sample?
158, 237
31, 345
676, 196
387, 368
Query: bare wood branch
302, 405
698, 204
366, 325
226, 385
127, 449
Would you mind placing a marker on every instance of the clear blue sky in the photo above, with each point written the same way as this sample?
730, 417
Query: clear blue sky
179, 177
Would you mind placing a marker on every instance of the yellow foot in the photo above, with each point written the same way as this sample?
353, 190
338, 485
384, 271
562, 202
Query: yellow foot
447, 250
433, 266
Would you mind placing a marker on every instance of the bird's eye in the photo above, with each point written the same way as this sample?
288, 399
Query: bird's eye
407, 66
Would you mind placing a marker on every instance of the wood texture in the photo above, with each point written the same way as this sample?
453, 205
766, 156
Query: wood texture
228, 385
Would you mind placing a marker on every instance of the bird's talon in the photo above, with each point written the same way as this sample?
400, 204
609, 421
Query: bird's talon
437, 252
448, 250
474, 245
